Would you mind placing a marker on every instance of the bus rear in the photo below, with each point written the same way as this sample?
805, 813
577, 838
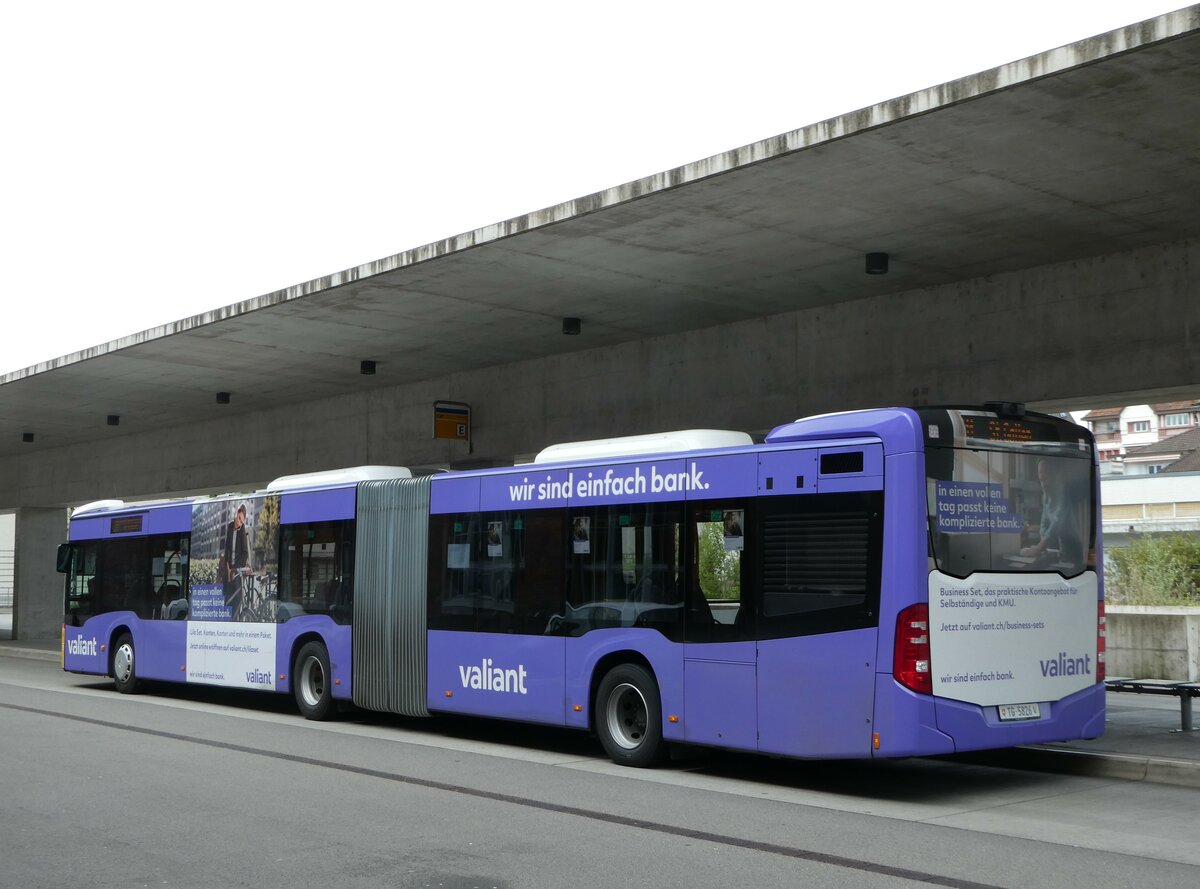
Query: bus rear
1009, 647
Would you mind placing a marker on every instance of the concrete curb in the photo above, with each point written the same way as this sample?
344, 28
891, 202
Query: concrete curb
37, 654
1095, 764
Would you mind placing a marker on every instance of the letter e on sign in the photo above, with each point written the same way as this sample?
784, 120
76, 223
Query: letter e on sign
452, 419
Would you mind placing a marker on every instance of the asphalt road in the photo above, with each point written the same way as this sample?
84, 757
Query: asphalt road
198, 787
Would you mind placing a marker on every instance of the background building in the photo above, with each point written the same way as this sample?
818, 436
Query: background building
1142, 439
1150, 467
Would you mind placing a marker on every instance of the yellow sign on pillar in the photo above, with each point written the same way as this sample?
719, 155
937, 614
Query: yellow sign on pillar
452, 419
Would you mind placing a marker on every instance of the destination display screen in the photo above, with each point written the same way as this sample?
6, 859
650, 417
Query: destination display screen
984, 430
999, 429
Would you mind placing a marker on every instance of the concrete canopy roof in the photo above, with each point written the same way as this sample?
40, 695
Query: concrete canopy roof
1080, 151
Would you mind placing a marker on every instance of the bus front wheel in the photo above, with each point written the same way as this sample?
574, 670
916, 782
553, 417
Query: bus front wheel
124, 671
628, 713
311, 681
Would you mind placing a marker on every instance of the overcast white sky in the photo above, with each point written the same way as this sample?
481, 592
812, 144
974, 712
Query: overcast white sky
160, 159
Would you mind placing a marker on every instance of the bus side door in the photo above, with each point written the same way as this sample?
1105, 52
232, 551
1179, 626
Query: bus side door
818, 576
816, 693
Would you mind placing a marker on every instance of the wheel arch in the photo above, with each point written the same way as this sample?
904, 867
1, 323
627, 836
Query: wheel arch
606, 663
298, 643
114, 634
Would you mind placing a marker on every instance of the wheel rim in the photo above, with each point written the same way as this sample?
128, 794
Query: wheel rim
627, 716
123, 662
312, 681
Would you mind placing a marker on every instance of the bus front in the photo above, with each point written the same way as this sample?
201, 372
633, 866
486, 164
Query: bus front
1014, 649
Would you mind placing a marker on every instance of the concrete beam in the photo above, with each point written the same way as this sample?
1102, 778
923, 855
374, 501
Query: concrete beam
1074, 331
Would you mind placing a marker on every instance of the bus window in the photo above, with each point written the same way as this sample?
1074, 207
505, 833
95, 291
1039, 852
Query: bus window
145, 575
1004, 510
530, 548
820, 563
496, 572
125, 577
169, 578
317, 562
624, 569
452, 559
83, 593
716, 609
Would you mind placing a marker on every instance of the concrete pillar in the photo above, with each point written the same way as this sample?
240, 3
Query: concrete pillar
37, 586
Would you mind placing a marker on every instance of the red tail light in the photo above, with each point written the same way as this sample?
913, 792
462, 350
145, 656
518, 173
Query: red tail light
910, 659
1100, 645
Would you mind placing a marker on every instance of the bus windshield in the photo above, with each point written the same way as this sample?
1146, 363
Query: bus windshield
1009, 495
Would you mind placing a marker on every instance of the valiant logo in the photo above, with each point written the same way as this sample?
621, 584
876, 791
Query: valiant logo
81, 646
486, 677
1067, 666
258, 677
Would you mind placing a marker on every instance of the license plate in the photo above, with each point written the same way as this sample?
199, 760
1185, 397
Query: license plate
1020, 711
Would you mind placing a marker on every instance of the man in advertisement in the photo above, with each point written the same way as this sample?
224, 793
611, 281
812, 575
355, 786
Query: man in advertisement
235, 559
1059, 534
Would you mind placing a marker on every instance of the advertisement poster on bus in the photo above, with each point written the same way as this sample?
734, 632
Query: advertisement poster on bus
234, 559
1010, 638
238, 655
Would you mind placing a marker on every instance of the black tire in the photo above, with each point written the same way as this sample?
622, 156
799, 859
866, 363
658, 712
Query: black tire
312, 681
628, 713
124, 665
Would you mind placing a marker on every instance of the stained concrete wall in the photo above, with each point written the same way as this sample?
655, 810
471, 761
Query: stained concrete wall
1110, 324
38, 603
1153, 642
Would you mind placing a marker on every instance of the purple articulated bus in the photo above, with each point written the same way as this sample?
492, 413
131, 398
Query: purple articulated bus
878, 583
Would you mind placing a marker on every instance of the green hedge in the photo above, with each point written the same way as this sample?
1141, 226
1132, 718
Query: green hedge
1162, 570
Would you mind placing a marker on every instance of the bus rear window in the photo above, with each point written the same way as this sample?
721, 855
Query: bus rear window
1009, 510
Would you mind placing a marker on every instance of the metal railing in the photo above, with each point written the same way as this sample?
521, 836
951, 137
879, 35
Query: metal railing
7, 563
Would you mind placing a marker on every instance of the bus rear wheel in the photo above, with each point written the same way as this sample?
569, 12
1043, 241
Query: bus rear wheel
124, 672
628, 713
311, 681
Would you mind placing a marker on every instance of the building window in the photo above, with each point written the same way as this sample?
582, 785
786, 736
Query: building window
1155, 468
1105, 456
1109, 426
1139, 426
1176, 420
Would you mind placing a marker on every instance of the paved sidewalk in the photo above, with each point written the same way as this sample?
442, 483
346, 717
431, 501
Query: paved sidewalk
1141, 742
47, 650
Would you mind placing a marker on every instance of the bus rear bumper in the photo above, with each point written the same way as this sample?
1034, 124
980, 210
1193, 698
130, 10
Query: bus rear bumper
974, 727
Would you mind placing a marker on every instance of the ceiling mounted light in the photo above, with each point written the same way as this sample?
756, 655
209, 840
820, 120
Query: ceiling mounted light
572, 326
27, 437
222, 398
366, 368
114, 419
877, 263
